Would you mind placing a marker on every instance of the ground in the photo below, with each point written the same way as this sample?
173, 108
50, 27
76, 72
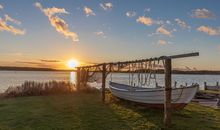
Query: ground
83, 111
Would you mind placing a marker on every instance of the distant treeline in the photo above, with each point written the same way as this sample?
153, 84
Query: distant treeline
12, 68
160, 71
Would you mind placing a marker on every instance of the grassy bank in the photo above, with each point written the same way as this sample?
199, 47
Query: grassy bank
87, 112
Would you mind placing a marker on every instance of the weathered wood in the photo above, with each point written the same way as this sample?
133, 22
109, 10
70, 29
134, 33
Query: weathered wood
168, 91
103, 81
145, 60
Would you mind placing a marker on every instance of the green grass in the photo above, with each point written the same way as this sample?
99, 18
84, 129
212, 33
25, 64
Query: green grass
210, 91
86, 112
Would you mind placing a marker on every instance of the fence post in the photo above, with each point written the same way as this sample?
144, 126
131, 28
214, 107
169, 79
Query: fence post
103, 81
168, 91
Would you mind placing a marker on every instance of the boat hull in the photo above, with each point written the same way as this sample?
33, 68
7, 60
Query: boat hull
153, 97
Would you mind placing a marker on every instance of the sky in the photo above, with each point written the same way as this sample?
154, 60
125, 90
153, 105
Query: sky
48, 33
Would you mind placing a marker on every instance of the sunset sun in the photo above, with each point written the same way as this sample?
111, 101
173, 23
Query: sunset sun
72, 63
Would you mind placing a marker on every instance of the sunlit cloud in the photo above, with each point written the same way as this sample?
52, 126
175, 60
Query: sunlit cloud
164, 31
100, 34
1, 7
106, 6
145, 20
182, 24
161, 42
4, 25
208, 30
50, 61
88, 11
203, 14
130, 14
60, 25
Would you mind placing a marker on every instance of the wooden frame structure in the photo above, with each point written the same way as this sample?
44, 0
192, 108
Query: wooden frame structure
106, 68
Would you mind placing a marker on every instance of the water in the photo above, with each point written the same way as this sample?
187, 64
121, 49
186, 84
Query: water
14, 78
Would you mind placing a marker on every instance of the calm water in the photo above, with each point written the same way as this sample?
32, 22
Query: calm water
13, 78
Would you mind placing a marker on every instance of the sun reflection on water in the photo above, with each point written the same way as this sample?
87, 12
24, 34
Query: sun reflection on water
73, 77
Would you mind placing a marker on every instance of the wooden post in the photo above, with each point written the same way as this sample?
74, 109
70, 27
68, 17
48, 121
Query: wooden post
168, 91
103, 81
78, 78
205, 84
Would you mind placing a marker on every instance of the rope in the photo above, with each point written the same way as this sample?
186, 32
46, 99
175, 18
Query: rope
179, 95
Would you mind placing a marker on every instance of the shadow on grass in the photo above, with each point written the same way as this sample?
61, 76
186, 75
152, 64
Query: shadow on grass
192, 117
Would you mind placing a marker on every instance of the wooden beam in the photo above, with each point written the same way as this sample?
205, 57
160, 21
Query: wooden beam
168, 92
103, 81
184, 55
145, 60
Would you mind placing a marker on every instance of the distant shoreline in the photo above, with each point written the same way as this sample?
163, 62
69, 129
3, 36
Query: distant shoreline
11, 68
195, 72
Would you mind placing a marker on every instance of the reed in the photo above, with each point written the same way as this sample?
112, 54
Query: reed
32, 88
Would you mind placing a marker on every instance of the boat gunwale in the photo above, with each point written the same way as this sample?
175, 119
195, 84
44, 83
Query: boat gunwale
145, 89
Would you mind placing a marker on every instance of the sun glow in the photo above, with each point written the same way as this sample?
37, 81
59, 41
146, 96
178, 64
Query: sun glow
72, 63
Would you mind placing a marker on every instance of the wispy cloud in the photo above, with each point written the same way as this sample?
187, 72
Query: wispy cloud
8, 18
208, 30
145, 20
5, 26
100, 34
60, 25
130, 14
164, 31
1, 7
50, 61
88, 11
106, 6
29, 62
147, 10
203, 14
182, 24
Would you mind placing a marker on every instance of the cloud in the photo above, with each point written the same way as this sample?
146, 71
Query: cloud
51, 61
130, 14
162, 42
208, 30
100, 34
28, 62
4, 26
60, 25
182, 24
8, 18
145, 20
88, 11
106, 6
147, 10
203, 14
1, 7
163, 30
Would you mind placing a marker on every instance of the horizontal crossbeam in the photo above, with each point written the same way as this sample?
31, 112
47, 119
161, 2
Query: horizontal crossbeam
145, 60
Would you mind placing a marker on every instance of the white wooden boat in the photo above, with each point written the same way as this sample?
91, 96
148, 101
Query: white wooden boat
154, 97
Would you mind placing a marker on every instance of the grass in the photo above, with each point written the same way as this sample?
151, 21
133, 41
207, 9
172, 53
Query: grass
210, 91
85, 111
